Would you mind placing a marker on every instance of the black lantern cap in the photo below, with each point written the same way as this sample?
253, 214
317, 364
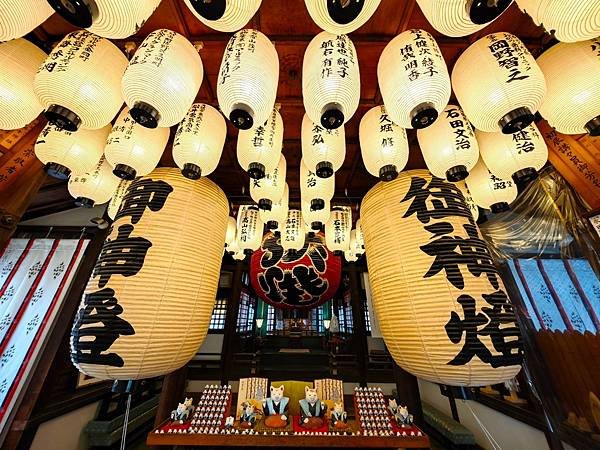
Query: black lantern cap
271, 224
423, 115
593, 126
332, 116
317, 204
324, 169
80, 13
144, 114
456, 173
388, 172
57, 170
344, 12
209, 9
256, 170
484, 11
316, 226
85, 202
124, 172
338, 253
241, 117
265, 203
516, 120
525, 176
247, 252
191, 171
500, 207
62, 118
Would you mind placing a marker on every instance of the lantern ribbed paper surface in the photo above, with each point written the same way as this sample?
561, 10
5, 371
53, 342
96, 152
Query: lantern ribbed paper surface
19, 17
383, 144
79, 84
117, 198
462, 185
339, 17
314, 219
199, 141
269, 189
505, 90
323, 151
133, 150
259, 149
337, 230
95, 187
518, 156
64, 152
440, 302
449, 146
413, 79
249, 228
572, 71
490, 191
224, 15
275, 217
292, 232
314, 190
18, 103
231, 231
568, 20
330, 80
147, 306
248, 79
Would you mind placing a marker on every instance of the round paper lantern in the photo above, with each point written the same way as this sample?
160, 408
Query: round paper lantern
19, 17
323, 151
117, 198
259, 149
224, 15
413, 79
490, 191
468, 199
498, 83
314, 219
132, 149
269, 189
572, 71
302, 279
383, 144
330, 80
292, 233
275, 217
567, 20
350, 256
314, 190
518, 156
95, 187
458, 18
341, 17
64, 152
148, 303
162, 79
249, 228
449, 146
337, 230
79, 84
248, 79
199, 141
114, 19
231, 232
454, 324
360, 238
18, 104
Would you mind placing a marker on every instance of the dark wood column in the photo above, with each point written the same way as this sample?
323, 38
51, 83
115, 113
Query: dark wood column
408, 392
231, 318
360, 327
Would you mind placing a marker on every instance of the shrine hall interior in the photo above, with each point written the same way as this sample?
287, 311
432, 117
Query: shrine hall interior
386, 212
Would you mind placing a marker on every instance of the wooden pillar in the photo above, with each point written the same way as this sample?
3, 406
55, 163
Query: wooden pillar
231, 318
408, 393
360, 327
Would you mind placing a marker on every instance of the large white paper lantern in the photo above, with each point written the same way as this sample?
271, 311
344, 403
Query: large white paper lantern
231, 233
79, 84
162, 79
343, 16
490, 191
572, 71
95, 187
323, 151
19, 17
64, 152
199, 141
413, 79
259, 149
293, 234
462, 185
249, 228
117, 198
248, 79
275, 217
337, 230
18, 103
449, 146
269, 189
315, 219
567, 20
314, 190
330, 80
114, 19
498, 83
383, 144
456, 18
224, 15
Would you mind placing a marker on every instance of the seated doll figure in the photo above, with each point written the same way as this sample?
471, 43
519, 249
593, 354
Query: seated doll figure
183, 412
248, 417
339, 417
276, 408
312, 410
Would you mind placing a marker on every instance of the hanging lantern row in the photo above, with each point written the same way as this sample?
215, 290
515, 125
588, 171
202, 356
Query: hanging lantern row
323, 150
94, 187
342, 16
224, 15
315, 219
19, 17
337, 230
490, 191
293, 233
314, 190
249, 228
275, 217
269, 189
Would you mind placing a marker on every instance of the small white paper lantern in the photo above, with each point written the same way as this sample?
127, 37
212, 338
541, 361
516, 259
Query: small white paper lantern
248, 79
269, 189
259, 148
468, 199
449, 146
314, 219
383, 144
224, 15
133, 150
79, 84
350, 256
490, 191
162, 79
413, 79
330, 80
360, 237
19, 17
275, 217
572, 71
199, 141
323, 151
231, 231
293, 233
65, 153
337, 230
314, 190
18, 103
249, 228
117, 199
95, 187
498, 83
343, 16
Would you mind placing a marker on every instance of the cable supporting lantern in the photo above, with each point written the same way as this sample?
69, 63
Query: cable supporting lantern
462, 185
268, 190
314, 190
79, 84
249, 228
275, 217
117, 198
413, 79
224, 15
323, 151
449, 146
248, 79
337, 230
330, 80
19, 17
341, 17
505, 90
315, 219
293, 234
488, 190
383, 144
95, 187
